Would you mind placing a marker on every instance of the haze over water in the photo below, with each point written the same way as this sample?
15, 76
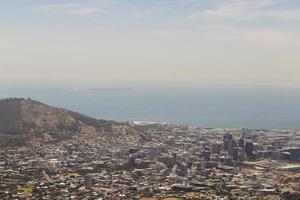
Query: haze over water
222, 63
224, 108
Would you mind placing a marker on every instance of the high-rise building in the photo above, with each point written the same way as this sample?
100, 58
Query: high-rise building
215, 148
231, 145
225, 145
226, 137
235, 153
294, 154
241, 142
249, 150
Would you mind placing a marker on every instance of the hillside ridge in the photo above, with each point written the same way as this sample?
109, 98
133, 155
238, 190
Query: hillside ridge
25, 119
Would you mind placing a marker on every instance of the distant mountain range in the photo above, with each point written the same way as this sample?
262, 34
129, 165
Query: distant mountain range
26, 120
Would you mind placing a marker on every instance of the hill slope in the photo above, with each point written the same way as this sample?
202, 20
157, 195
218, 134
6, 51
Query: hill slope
24, 120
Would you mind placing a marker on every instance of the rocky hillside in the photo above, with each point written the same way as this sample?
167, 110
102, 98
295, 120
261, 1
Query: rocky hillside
23, 120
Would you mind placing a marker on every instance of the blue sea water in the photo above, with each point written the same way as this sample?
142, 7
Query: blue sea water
222, 108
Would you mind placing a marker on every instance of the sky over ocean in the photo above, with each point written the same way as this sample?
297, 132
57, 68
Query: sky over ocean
222, 63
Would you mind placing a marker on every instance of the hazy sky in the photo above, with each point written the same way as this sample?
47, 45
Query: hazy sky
128, 42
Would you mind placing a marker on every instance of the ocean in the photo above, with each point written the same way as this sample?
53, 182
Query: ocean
218, 107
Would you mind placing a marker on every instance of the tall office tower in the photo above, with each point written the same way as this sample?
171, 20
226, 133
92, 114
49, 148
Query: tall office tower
226, 137
234, 144
249, 150
231, 144
235, 153
242, 142
215, 148
225, 145
230, 147
294, 154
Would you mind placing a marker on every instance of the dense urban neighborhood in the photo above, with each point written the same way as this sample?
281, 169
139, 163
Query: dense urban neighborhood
175, 162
